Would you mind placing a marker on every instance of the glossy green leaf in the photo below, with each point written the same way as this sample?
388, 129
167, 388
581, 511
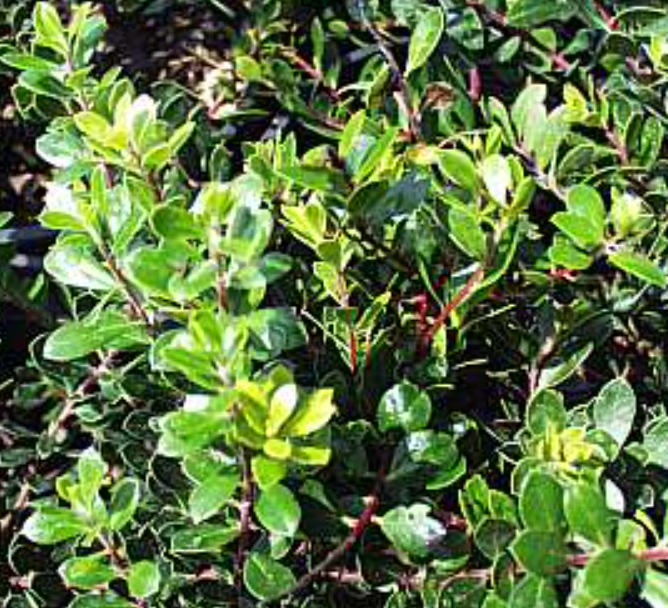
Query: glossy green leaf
87, 572
144, 579
405, 407
266, 579
210, 496
541, 503
615, 409
412, 530
278, 510
425, 38
51, 525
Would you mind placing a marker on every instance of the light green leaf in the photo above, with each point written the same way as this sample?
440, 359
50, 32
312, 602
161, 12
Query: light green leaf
278, 510
144, 579
412, 531
460, 169
639, 266
615, 410
51, 525
86, 572
211, 495
312, 415
497, 177
425, 38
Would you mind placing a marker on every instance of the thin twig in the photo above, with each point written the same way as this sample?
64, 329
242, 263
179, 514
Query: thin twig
372, 504
245, 508
404, 95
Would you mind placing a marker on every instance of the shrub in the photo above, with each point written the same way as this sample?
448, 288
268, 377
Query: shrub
393, 335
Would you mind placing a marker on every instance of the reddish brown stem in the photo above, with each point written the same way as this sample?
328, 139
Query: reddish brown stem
362, 523
427, 337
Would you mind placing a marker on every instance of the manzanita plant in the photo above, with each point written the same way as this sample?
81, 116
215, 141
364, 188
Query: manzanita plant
374, 314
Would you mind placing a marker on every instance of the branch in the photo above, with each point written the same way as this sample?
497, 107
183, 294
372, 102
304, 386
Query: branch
372, 504
427, 337
245, 509
403, 95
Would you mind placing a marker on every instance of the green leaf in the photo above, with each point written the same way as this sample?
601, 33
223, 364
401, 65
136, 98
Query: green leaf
563, 253
534, 592
655, 589
608, 576
581, 230
204, 538
109, 330
211, 495
266, 579
51, 525
460, 169
425, 38
144, 579
72, 263
655, 441
374, 159
493, 536
61, 149
124, 501
176, 223
531, 13
541, 503
313, 414
267, 471
91, 470
562, 369
587, 513
278, 510
86, 572
546, 410
412, 531
586, 202
404, 406
542, 553
639, 266
615, 410
466, 233
497, 177
49, 28
94, 600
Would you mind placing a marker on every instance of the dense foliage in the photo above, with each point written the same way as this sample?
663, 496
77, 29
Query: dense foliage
364, 307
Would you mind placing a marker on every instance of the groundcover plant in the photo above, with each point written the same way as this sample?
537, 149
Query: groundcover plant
367, 308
